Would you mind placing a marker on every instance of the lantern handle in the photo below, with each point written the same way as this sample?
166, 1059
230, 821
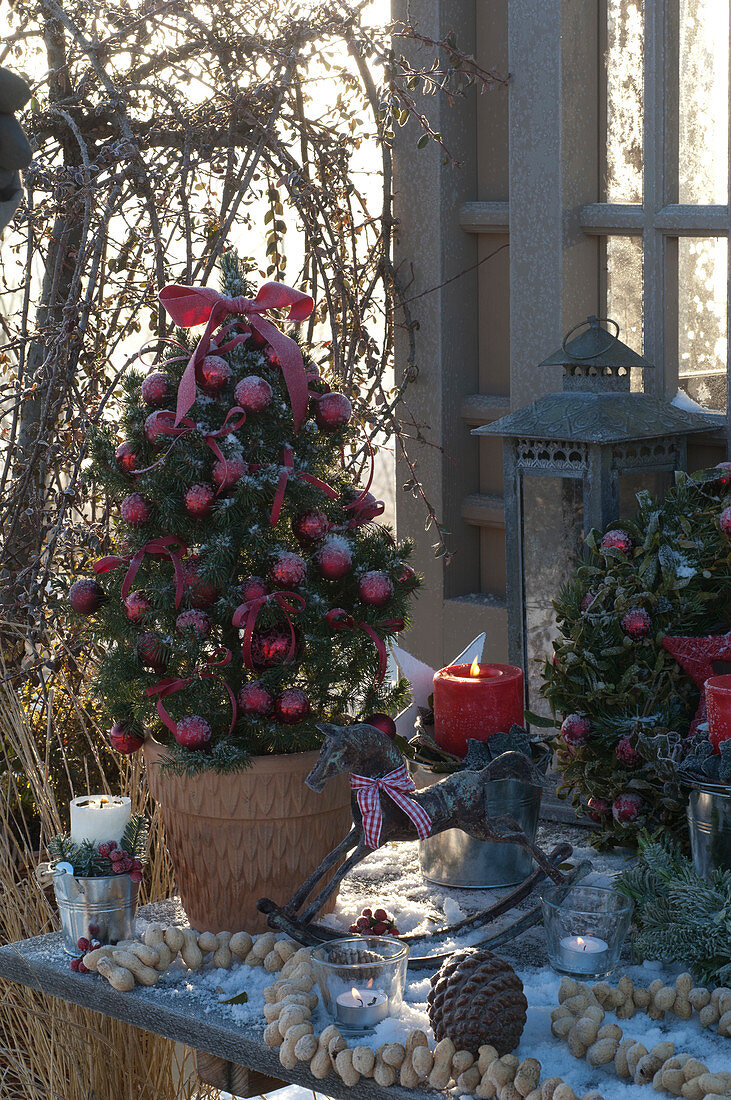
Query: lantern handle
591, 321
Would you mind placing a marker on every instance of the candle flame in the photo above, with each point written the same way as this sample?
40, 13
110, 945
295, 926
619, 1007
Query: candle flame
475, 668
356, 995
580, 942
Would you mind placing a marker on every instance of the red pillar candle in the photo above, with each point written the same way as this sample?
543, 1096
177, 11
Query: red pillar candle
718, 709
475, 701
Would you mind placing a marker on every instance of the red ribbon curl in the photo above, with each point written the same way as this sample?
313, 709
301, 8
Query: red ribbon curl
157, 547
290, 603
164, 688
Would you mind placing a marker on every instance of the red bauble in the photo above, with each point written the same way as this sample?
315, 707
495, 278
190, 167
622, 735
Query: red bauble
196, 621
636, 623
598, 809
696, 656
126, 457
616, 539
254, 699
626, 808
253, 588
253, 394
159, 427
123, 739
193, 732
332, 411
375, 589
626, 754
198, 500
382, 722
214, 374
157, 389
575, 729
337, 618
724, 478
152, 651
291, 706
725, 521
334, 559
135, 510
287, 570
136, 606
270, 647
363, 510
199, 593
310, 527
406, 575
227, 472
86, 596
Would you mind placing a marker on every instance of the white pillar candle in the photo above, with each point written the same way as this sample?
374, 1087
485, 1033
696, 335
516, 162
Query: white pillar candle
99, 817
584, 954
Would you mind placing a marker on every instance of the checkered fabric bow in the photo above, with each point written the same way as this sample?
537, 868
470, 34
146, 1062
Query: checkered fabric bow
397, 785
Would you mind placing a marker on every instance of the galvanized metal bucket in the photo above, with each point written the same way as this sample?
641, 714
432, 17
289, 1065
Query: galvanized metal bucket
95, 908
709, 820
454, 859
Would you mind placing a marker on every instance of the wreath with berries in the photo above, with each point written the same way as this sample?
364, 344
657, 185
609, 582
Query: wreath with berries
641, 624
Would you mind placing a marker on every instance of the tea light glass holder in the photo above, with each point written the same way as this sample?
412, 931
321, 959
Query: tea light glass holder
586, 927
361, 979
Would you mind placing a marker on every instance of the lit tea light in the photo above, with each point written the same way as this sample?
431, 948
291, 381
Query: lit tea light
99, 818
584, 954
361, 1009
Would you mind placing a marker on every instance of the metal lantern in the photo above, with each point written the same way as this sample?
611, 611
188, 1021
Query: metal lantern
574, 461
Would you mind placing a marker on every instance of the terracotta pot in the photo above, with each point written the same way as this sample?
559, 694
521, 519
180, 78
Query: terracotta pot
238, 837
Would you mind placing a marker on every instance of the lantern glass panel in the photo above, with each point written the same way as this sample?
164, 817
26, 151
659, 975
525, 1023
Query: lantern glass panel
657, 483
552, 536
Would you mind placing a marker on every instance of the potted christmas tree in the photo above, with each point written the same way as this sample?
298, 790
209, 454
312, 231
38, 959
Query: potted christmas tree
249, 596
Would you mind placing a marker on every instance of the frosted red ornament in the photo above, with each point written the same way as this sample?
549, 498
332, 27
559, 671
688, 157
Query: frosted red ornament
636, 623
598, 809
626, 754
406, 575
199, 593
332, 411
575, 729
214, 374
193, 732
135, 510
253, 588
382, 722
724, 477
157, 389
254, 699
626, 808
375, 589
152, 651
86, 596
124, 739
287, 570
291, 706
136, 606
198, 500
127, 458
158, 427
270, 647
310, 527
194, 621
337, 618
253, 394
616, 539
334, 559
724, 521
363, 509
227, 472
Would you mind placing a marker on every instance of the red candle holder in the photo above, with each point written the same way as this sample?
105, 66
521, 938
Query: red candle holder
475, 701
718, 709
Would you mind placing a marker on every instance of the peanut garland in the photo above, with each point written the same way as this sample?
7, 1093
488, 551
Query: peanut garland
579, 1020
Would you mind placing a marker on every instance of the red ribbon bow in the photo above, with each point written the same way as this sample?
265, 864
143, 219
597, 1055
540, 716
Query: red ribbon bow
162, 546
170, 686
397, 785
286, 472
192, 305
290, 603
347, 622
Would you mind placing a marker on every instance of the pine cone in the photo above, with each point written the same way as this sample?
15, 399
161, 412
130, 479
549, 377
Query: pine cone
477, 998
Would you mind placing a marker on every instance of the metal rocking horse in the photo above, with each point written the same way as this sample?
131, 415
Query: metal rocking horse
387, 807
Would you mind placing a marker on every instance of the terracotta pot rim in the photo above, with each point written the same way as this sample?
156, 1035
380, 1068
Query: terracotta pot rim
254, 759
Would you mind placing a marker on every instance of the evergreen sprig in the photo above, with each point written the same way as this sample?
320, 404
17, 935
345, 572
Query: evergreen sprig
86, 859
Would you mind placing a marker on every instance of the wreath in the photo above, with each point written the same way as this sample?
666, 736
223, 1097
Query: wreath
646, 612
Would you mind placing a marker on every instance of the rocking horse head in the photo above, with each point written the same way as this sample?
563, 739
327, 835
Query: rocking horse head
360, 748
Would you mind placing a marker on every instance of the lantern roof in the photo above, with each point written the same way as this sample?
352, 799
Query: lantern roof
594, 350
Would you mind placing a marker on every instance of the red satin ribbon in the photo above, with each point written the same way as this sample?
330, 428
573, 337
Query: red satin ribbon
170, 686
162, 546
290, 603
286, 472
190, 306
349, 623
398, 785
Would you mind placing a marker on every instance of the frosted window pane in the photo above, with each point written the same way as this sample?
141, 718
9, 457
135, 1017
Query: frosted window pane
703, 123
624, 290
702, 319
624, 62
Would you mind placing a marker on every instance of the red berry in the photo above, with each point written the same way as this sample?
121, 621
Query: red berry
332, 411
287, 570
254, 699
126, 457
157, 389
626, 808
616, 539
379, 928
124, 739
380, 915
196, 622
136, 606
152, 651
725, 521
626, 754
394, 931
86, 596
135, 876
83, 969
310, 527
104, 849
198, 500
93, 927
334, 559
354, 928
135, 510
363, 924
636, 623
253, 588
382, 722
291, 706
193, 732
117, 855
160, 427
367, 913
253, 394
74, 964
94, 943
575, 729
228, 472
598, 809
83, 944
375, 589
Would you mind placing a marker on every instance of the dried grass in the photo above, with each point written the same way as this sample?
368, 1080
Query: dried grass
50, 1050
